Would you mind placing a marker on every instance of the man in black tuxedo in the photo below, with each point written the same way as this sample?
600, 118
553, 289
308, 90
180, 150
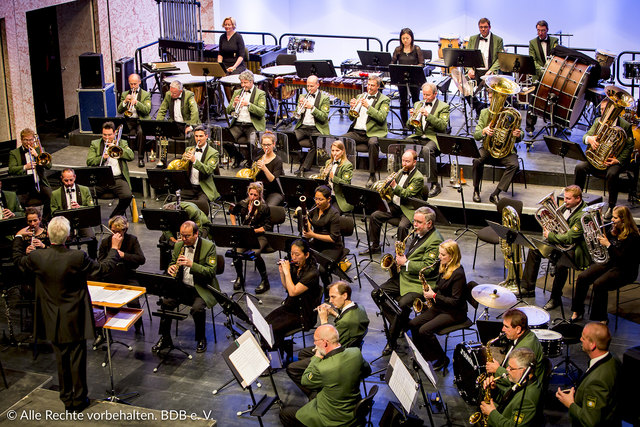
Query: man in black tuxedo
63, 308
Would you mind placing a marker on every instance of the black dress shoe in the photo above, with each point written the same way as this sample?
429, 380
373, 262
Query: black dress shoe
441, 364
98, 341
81, 406
476, 197
238, 284
371, 181
374, 250
263, 287
435, 190
494, 198
163, 342
140, 163
551, 304
202, 346
387, 350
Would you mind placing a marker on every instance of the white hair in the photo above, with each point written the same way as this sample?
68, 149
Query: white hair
58, 230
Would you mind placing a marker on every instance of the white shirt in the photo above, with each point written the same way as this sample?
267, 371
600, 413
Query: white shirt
484, 48
307, 115
545, 46
195, 173
428, 108
403, 179
361, 121
243, 115
73, 197
596, 360
29, 158
134, 94
351, 304
187, 277
334, 168
177, 109
115, 166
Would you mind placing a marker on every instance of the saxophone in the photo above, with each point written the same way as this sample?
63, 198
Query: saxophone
511, 219
418, 304
592, 226
383, 186
611, 139
486, 391
388, 261
504, 120
550, 218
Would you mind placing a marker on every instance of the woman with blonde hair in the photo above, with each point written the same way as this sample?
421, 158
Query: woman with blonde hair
340, 173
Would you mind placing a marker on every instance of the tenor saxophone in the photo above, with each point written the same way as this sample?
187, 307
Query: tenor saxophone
478, 416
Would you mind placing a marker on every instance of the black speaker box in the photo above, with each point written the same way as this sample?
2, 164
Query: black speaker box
91, 70
123, 68
629, 380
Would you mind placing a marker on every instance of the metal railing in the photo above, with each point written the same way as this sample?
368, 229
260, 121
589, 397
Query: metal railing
138, 56
247, 33
633, 84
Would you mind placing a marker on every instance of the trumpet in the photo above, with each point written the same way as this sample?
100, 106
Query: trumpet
415, 121
182, 164
131, 109
240, 98
179, 255
301, 107
354, 112
114, 151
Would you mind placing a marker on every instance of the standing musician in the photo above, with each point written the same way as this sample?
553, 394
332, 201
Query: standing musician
539, 48
323, 231
136, 103
269, 170
249, 103
179, 105
519, 407
314, 120
421, 251
614, 165
340, 171
98, 155
193, 264
595, 401
621, 243
407, 53
299, 278
510, 161
24, 161
407, 182
259, 218
372, 108
231, 48
434, 118
449, 305
202, 162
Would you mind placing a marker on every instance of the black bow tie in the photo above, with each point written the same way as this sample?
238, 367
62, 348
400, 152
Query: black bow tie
189, 246
404, 172
428, 103
371, 97
484, 39
312, 95
198, 150
71, 190
544, 41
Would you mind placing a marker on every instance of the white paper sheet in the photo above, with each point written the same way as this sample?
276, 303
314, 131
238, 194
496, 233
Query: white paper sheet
249, 359
259, 321
120, 320
402, 383
424, 365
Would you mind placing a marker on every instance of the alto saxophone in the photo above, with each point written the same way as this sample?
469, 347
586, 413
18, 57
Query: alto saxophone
388, 261
478, 416
418, 304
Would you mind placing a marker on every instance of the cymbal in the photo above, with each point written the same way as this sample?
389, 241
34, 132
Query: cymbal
598, 91
494, 296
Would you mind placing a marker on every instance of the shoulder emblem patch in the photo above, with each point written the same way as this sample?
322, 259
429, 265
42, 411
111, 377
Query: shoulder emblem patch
262, 103
212, 161
325, 108
518, 418
211, 260
432, 255
591, 402
575, 228
310, 375
348, 175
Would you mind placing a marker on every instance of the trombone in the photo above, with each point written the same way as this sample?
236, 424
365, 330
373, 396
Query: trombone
113, 150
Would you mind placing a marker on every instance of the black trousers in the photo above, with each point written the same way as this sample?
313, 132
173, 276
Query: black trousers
324, 267
283, 320
610, 175
273, 199
397, 324
404, 104
378, 218
197, 196
122, 191
71, 359
288, 416
198, 312
366, 144
424, 327
141, 140
244, 134
303, 135
429, 153
297, 368
260, 265
530, 275
604, 278
509, 162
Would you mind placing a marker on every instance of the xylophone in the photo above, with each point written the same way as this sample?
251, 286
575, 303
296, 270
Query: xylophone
259, 55
343, 88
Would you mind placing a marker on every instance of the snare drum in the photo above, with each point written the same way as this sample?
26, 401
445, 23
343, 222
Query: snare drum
234, 79
448, 41
537, 317
469, 361
605, 59
551, 341
631, 69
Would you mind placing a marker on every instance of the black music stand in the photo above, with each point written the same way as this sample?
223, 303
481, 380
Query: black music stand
164, 220
206, 69
231, 188
375, 60
294, 187
168, 180
82, 217
407, 76
564, 148
18, 184
440, 217
319, 68
517, 64
97, 122
463, 58
459, 146
93, 176
10, 226
381, 298
281, 242
167, 129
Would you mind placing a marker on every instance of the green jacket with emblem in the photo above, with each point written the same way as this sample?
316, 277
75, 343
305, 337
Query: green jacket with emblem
59, 200
206, 166
377, 117
143, 106
627, 149
10, 201
189, 108
320, 113
352, 325
483, 122
435, 122
575, 235
204, 266
519, 411
95, 156
423, 254
535, 50
529, 340
343, 175
596, 397
16, 165
496, 46
257, 107
193, 214
412, 188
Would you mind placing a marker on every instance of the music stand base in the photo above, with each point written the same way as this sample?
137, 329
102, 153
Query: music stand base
121, 398
164, 356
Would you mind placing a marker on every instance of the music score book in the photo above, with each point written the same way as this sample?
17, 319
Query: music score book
401, 382
246, 359
424, 364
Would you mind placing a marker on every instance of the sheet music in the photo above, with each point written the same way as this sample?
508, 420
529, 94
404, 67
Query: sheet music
260, 323
249, 359
424, 365
402, 383
121, 319
97, 293
114, 296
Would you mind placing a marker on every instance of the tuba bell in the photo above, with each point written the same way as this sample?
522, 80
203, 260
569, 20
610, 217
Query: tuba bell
504, 120
511, 220
592, 226
550, 217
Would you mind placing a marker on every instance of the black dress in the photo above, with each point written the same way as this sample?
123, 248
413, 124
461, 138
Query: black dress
415, 57
328, 224
272, 193
260, 219
230, 50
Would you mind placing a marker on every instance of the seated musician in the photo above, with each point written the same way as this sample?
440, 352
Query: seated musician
193, 264
314, 120
250, 104
371, 123
299, 278
259, 218
421, 250
179, 105
72, 196
510, 161
434, 118
136, 103
614, 164
340, 172
519, 406
269, 170
620, 243
449, 305
351, 322
99, 156
323, 232
572, 213
9, 204
203, 161
407, 182
515, 326
24, 161
407, 53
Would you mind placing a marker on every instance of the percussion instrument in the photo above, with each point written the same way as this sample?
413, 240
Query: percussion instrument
631, 69
234, 79
259, 54
605, 59
538, 318
448, 41
551, 341
300, 45
193, 83
340, 87
493, 296
465, 42
561, 91
469, 362
275, 71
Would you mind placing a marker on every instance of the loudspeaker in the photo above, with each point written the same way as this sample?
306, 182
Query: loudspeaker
91, 71
629, 380
394, 416
96, 103
124, 68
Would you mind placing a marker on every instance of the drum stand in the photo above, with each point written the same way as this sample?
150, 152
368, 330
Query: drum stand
550, 128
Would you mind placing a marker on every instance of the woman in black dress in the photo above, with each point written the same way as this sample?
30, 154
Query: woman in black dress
269, 169
407, 54
231, 48
34, 233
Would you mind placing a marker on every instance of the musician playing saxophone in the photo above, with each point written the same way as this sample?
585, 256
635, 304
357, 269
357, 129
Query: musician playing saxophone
269, 170
621, 242
421, 249
202, 163
449, 305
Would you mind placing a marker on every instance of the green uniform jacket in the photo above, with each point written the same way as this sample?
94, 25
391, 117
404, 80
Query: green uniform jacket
320, 113
529, 340
12, 202
193, 214
206, 167
423, 254
483, 122
574, 235
352, 325
204, 266
413, 188
519, 411
16, 165
257, 107
143, 106
337, 377
59, 201
535, 50
189, 108
95, 155
495, 46
377, 117
625, 155
436, 122
597, 395
343, 175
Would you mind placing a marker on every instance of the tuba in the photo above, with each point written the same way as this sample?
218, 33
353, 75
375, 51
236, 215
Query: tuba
181, 164
610, 138
388, 261
504, 120
592, 226
550, 218
511, 219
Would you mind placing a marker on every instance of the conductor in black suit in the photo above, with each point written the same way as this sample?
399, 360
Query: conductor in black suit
63, 307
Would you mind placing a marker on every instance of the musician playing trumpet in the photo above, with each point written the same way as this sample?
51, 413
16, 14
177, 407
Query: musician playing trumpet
136, 103
202, 161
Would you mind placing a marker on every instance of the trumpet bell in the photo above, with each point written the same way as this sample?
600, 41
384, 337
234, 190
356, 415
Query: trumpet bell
353, 114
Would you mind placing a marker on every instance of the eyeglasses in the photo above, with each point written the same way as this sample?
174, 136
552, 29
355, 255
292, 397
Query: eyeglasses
509, 368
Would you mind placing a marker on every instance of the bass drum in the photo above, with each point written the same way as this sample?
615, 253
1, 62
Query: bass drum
469, 361
560, 94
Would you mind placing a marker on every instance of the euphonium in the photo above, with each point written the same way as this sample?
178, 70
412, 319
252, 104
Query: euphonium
179, 255
415, 121
388, 261
610, 138
354, 112
504, 120
592, 226
511, 219
383, 186
550, 217
418, 304
181, 164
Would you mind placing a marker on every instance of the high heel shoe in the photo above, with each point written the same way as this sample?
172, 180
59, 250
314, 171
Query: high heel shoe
576, 319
